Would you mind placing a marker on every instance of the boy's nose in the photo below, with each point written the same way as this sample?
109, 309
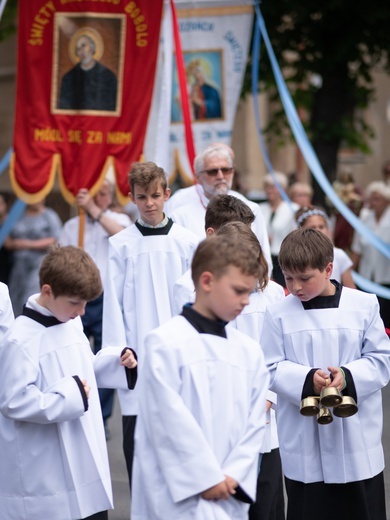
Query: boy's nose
81, 310
296, 286
245, 300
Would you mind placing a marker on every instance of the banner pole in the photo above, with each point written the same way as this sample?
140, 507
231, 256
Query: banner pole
81, 227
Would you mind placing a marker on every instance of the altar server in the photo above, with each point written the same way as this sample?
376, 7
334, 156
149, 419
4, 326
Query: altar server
6, 311
321, 335
202, 413
269, 504
54, 461
144, 262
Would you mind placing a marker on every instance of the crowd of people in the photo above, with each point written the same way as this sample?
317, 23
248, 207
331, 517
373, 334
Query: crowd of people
214, 318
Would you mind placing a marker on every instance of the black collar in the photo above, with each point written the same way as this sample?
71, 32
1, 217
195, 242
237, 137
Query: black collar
325, 302
147, 231
202, 324
46, 321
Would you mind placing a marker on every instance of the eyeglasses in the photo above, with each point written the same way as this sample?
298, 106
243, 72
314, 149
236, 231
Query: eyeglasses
213, 172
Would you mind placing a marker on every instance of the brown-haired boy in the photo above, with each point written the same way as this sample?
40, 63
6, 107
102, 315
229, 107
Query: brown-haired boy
144, 262
54, 460
203, 386
221, 210
327, 335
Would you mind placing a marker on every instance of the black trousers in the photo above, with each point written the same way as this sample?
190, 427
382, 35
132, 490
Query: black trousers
103, 515
92, 324
128, 428
269, 503
362, 500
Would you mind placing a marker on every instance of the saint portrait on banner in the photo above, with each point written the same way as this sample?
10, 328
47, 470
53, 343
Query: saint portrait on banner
89, 85
204, 75
204, 97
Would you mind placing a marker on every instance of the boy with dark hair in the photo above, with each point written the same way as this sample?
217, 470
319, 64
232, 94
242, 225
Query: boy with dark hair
144, 262
54, 457
325, 335
226, 208
203, 386
220, 210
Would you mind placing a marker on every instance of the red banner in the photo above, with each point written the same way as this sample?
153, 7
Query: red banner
84, 88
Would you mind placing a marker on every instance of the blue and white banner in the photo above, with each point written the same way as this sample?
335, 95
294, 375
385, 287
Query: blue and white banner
215, 39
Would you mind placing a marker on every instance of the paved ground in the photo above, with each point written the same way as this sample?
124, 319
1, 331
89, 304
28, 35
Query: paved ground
119, 474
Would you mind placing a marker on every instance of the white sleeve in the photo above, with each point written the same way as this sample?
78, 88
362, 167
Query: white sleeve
22, 400
6, 311
114, 332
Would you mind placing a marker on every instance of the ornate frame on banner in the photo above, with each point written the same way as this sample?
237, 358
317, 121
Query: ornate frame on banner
215, 43
90, 69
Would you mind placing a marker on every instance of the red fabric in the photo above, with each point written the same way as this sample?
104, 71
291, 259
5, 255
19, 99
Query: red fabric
185, 106
47, 138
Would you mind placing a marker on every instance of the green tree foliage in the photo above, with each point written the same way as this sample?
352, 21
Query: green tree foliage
327, 52
8, 20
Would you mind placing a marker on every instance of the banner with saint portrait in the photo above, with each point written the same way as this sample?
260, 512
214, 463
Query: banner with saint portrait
85, 80
215, 38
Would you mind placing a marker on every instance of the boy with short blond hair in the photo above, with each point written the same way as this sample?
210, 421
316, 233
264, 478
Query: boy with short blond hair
203, 387
144, 262
326, 335
54, 456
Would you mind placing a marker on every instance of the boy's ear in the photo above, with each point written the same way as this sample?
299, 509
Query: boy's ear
167, 194
210, 231
46, 290
329, 270
131, 197
206, 281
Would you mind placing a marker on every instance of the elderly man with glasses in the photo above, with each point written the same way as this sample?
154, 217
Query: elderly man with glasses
214, 170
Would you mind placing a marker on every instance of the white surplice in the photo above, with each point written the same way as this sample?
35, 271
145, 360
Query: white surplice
250, 322
6, 311
296, 340
54, 461
138, 295
201, 417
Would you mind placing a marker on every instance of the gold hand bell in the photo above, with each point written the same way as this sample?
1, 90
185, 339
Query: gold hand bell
330, 396
310, 406
324, 416
346, 408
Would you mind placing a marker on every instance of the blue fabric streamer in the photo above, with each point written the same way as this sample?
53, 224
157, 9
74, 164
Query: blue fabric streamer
308, 151
15, 212
371, 287
4, 163
17, 208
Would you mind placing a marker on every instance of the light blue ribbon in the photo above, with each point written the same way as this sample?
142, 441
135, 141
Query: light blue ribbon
308, 152
4, 162
15, 212
18, 206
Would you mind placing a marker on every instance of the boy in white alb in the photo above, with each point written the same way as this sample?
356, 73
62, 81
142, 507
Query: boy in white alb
144, 262
315, 217
6, 312
227, 215
323, 334
202, 413
54, 461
